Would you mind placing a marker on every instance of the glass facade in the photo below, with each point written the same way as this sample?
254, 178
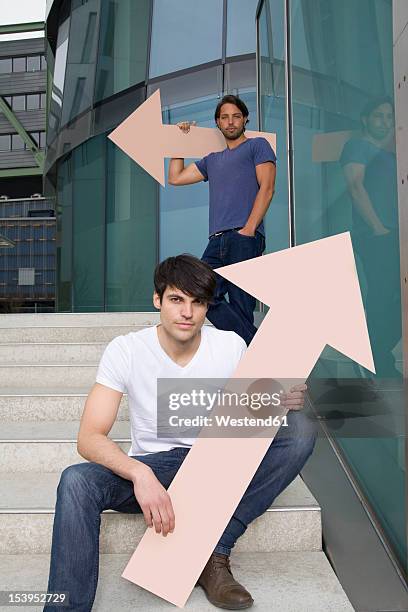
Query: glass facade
343, 174
115, 223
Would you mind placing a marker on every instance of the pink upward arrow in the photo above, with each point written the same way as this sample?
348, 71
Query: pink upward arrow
148, 141
315, 300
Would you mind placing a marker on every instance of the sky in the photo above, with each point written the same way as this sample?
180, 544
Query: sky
21, 11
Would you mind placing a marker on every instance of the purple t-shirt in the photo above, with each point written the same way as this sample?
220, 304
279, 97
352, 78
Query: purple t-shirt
233, 184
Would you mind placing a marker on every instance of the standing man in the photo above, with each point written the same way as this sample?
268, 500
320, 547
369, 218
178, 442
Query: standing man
242, 180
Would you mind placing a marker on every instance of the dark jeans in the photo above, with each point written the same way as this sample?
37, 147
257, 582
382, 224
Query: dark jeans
238, 313
86, 489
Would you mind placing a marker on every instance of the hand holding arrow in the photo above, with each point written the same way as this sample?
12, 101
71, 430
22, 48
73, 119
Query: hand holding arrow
145, 138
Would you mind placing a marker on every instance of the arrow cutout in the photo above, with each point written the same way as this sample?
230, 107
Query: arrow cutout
315, 299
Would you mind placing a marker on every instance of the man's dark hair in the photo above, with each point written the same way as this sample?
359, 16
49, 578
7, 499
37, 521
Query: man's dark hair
188, 274
230, 99
375, 103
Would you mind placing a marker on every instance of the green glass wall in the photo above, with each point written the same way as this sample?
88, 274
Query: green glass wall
343, 171
107, 219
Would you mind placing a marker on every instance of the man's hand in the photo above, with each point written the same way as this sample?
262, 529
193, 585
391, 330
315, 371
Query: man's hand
295, 399
154, 501
246, 232
185, 126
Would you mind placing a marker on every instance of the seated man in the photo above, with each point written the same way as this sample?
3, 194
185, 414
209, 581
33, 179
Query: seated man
137, 482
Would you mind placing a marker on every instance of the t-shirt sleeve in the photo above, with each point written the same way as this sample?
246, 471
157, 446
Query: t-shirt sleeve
262, 151
202, 166
354, 151
114, 366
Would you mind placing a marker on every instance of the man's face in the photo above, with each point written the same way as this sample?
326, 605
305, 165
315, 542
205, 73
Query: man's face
181, 315
380, 121
231, 121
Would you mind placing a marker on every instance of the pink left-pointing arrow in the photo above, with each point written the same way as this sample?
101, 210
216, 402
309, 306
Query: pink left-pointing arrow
145, 138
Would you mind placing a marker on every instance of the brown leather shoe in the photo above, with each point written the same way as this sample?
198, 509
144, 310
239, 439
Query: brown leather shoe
221, 588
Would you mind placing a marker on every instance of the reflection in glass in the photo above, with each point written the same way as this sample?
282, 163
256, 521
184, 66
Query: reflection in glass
88, 171
241, 37
272, 104
344, 177
81, 58
176, 45
123, 46
131, 234
57, 89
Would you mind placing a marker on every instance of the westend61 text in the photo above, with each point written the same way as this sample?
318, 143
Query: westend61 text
227, 421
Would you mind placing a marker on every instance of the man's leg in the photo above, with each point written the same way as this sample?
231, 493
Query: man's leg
283, 461
84, 491
221, 313
241, 248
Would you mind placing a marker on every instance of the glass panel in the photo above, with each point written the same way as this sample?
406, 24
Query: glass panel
33, 101
123, 46
42, 140
59, 73
19, 64
43, 100
8, 99
272, 104
17, 143
5, 142
18, 103
345, 179
33, 63
131, 234
80, 65
6, 65
241, 36
64, 228
185, 34
43, 63
88, 172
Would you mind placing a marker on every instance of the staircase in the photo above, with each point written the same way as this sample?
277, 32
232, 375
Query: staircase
47, 365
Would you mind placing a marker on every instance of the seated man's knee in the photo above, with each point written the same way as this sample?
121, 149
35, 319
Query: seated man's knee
74, 479
301, 432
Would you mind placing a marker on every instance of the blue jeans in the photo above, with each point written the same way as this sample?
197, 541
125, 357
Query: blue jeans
238, 313
86, 489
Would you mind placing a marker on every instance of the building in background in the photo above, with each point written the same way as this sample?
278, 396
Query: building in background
23, 80
27, 219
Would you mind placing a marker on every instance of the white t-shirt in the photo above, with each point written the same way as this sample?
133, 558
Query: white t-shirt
133, 363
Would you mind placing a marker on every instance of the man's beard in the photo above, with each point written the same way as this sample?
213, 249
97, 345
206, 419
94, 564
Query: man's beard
232, 135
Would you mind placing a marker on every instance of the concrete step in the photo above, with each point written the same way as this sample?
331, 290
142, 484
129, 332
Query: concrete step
27, 511
92, 319
52, 405
47, 446
19, 377
65, 334
280, 581
49, 353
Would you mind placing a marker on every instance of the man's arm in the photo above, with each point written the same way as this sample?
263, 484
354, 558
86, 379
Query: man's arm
179, 175
100, 412
354, 174
265, 174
